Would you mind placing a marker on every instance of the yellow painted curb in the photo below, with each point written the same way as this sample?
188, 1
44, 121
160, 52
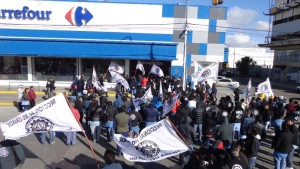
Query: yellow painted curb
6, 104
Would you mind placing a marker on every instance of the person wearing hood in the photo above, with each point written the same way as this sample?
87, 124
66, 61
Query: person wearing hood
183, 112
186, 129
225, 131
151, 114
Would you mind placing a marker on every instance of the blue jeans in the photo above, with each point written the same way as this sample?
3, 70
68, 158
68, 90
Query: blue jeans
96, 131
279, 160
135, 129
185, 157
73, 133
252, 161
207, 141
236, 130
149, 123
109, 130
290, 158
199, 128
51, 137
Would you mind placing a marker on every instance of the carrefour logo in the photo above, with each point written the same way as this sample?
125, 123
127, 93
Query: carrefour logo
78, 15
25, 13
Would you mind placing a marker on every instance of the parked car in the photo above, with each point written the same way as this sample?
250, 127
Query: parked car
228, 83
298, 89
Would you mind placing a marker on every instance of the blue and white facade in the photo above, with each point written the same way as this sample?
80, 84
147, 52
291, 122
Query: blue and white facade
38, 38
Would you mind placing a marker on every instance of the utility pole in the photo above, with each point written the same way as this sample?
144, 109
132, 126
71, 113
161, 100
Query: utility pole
185, 45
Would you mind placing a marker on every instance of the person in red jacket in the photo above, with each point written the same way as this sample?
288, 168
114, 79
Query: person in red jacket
144, 82
31, 96
73, 133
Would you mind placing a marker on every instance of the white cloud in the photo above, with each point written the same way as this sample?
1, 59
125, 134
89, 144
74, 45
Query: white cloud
262, 25
239, 17
240, 40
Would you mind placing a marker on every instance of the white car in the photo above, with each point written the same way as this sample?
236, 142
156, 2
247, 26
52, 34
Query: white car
298, 89
226, 82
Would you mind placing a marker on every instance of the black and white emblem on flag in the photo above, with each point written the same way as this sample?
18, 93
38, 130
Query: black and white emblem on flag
157, 70
205, 73
148, 148
4, 152
266, 87
38, 124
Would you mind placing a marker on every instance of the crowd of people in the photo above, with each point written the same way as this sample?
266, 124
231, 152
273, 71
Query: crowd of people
228, 131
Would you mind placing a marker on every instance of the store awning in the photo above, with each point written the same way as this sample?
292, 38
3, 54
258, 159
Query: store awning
88, 48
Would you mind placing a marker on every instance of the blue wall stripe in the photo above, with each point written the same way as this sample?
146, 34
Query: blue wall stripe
212, 25
86, 35
188, 59
168, 11
190, 36
88, 50
177, 71
222, 37
203, 48
203, 12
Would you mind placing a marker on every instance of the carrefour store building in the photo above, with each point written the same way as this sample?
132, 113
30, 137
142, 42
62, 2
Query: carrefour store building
60, 39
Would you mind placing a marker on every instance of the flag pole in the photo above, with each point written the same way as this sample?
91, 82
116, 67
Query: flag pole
180, 135
97, 162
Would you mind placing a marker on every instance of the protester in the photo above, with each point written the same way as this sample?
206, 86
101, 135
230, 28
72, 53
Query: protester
151, 114
109, 158
31, 96
135, 118
197, 117
110, 114
50, 86
252, 145
12, 154
290, 122
20, 95
25, 100
80, 85
95, 123
225, 132
72, 134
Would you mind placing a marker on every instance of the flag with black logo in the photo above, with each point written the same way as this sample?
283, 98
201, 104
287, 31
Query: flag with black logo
167, 107
140, 67
114, 67
53, 114
147, 147
248, 90
209, 72
95, 81
157, 70
147, 95
265, 88
119, 79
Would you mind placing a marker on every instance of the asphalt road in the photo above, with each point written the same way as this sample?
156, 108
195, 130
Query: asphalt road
80, 156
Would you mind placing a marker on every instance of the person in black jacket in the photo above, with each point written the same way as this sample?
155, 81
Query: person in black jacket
293, 129
186, 129
103, 100
236, 119
135, 118
12, 154
252, 145
111, 112
79, 105
95, 123
197, 117
80, 86
282, 144
50, 86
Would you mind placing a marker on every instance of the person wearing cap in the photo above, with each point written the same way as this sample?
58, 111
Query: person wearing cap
31, 96
20, 94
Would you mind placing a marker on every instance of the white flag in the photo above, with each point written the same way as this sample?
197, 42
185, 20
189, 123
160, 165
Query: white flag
119, 79
147, 95
95, 81
157, 70
265, 88
140, 67
137, 101
53, 114
171, 103
160, 91
155, 142
248, 90
195, 77
209, 72
114, 67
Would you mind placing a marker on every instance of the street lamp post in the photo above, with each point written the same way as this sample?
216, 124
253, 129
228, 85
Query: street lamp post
185, 45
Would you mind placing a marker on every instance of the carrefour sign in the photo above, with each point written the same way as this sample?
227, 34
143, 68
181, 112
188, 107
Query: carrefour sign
25, 13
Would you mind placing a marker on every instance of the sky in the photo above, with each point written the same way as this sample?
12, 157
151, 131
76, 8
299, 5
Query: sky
247, 15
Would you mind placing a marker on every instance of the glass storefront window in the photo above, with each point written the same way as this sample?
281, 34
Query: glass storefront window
13, 68
60, 69
101, 66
